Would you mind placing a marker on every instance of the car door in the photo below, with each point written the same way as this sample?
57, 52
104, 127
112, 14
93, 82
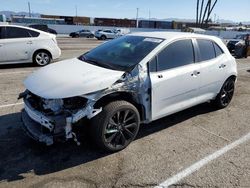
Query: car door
175, 81
16, 44
109, 34
81, 33
212, 62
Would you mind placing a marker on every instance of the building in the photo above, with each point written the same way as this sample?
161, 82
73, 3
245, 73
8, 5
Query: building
2, 18
155, 24
28, 20
114, 22
70, 20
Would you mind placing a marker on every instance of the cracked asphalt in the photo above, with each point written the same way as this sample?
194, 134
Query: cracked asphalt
161, 150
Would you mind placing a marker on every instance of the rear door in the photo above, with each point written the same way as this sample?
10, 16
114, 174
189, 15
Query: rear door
175, 80
16, 44
213, 63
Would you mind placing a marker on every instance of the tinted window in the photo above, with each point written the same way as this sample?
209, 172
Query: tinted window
33, 33
122, 53
0, 32
206, 50
218, 50
177, 54
15, 32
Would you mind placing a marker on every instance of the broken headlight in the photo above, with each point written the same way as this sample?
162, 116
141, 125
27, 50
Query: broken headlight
74, 103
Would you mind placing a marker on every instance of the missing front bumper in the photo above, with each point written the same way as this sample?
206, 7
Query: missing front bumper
35, 130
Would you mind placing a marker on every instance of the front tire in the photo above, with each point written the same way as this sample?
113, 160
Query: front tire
116, 126
225, 96
42, 58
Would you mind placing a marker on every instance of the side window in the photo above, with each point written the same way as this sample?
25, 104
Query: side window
177, 54
1, 32
34, 33
15, 32
218, 50
153, 65
206, 49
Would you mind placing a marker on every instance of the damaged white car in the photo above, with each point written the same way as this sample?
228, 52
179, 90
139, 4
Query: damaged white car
131, 80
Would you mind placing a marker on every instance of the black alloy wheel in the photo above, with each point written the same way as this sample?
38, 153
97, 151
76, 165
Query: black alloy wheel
226, 94
116, 126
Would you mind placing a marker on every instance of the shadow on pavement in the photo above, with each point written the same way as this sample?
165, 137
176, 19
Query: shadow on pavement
20, 155
19, 65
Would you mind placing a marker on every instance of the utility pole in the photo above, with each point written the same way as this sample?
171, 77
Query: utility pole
149, 15
76, 10
29, 9
137, 16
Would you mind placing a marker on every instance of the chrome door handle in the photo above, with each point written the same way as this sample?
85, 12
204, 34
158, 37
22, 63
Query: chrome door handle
30, 42
222, 66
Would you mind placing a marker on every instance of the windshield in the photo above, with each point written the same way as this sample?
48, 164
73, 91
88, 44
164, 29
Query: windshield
122, 53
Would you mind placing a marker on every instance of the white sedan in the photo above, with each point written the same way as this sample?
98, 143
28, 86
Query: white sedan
135, 79
26, 45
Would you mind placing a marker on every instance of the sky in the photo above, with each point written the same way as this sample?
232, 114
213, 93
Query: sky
235, 10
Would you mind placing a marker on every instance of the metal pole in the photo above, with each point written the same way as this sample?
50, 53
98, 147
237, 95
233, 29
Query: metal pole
137, 15
29, 9
197, 12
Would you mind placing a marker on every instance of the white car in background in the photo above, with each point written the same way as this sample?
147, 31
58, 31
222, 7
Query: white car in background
107, 34
137, 78
26, 45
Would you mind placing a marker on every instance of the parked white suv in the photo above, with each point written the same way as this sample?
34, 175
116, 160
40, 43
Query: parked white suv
26, 45
131, 80
107, 34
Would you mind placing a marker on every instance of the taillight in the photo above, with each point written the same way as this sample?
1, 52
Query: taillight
54, 39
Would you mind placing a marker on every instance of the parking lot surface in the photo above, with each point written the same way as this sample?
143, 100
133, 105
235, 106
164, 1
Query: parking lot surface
162, 149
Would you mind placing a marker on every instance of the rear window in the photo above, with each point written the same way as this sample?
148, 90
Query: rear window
218, 50
206, 50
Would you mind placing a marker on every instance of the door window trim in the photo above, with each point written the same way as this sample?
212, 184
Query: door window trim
165, 46
199, 53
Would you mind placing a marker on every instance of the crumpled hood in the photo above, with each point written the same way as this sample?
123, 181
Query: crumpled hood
70, 78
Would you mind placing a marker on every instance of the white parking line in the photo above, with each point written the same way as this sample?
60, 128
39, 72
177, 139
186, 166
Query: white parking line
196, 166
10, 105
19, 72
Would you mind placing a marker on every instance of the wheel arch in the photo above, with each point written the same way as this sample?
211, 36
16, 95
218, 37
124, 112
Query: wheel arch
41, 50
234, 77
125, 96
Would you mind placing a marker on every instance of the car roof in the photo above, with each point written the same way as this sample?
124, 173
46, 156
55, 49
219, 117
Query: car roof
173, 35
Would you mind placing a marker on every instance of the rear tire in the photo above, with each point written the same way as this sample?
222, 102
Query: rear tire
42, 58
225, 96
116, 126
103, 37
